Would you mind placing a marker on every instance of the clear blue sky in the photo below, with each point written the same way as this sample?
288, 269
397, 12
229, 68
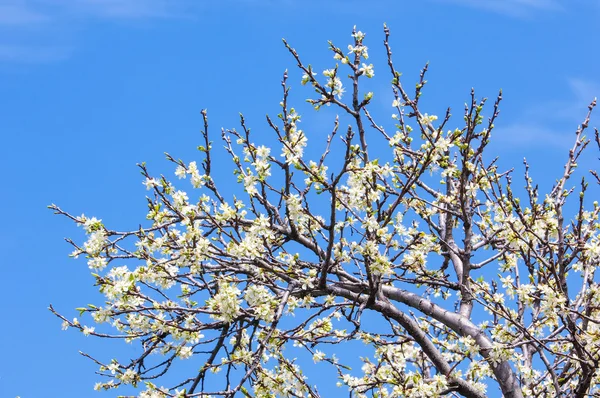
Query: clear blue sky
89, 88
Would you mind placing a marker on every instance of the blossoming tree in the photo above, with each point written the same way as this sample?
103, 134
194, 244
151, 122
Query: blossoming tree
476, 290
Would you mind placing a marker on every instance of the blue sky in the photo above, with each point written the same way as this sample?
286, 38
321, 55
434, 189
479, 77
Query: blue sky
89, 88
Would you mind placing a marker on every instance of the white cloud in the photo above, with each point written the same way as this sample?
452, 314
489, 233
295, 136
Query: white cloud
38, 23
32, 54
39, 30
528, 135
132, 9
19, 13
584, 90
516, 8
550, 124
571, 108
23, 12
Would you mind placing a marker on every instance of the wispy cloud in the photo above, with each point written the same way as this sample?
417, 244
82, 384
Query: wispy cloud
32, 54
516, 8
38, 30
41, 24
550, 124
19, 13
132, 9
28, 12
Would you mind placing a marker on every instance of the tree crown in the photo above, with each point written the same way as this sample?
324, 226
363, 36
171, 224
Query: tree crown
407, 220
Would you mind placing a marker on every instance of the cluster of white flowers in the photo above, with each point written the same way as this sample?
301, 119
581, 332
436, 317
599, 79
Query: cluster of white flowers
294, 142
196, 178
334, 83
359, 49
285, 381
262, 302
358, 192
317, 174
296, 212
253, 243
226, 303
96, 243
261, 165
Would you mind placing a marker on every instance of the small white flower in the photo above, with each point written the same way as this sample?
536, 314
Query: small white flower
180, 172
367, 70
185, 352
318, 356
150, 183
87, 330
